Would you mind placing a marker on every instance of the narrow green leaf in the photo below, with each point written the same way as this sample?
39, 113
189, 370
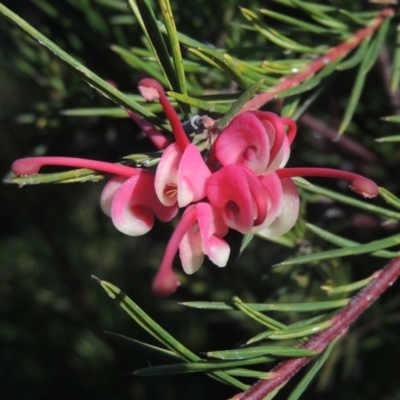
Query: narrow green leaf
249, 373
222, 63
366, 206
319, 15
346, 252
238, 104
351, 287
250, 352
276, 37
390, 198
311, 83
376, 46
343, 242
314, 96
357, 57
394, 85
293, 333
303, 384
151, 69
246, 239
257, 316
203, 105
296, 22
76, 175
174, 43
201, 366
392, 118
183, 39
290, 105
371, 55
393, 138
144, 347
143, 10
284, 307
148, 324
92, 79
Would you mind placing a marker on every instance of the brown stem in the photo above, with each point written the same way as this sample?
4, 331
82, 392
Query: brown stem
346, 143
340, 323
333, 54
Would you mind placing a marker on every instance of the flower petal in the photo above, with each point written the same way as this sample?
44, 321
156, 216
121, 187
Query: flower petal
167, 175
204, 237
289, 212
192, 176
134, 203
244, 142
230, 190
272, 188
108, 193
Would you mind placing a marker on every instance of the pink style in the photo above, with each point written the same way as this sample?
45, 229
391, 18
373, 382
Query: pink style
239, 183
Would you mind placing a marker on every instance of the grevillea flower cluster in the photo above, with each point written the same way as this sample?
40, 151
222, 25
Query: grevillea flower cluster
239, 183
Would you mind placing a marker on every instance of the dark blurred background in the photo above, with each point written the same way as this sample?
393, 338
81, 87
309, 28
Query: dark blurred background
54, 237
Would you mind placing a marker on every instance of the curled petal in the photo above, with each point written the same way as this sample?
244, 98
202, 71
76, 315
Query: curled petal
134, 203
108, 193
244, 142
272, 188
166, 179
236, 191
181, 177
289, 212
204, 237
274, 126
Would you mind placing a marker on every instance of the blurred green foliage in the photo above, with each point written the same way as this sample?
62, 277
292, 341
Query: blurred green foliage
53, 238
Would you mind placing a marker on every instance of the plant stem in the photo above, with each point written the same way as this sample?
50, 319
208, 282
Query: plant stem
333, 54
340, 324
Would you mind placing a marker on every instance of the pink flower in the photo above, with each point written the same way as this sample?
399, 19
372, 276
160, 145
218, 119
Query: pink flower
249, 190
198, 233
129, 198
181, 173
250, 203
181, 176
257, 140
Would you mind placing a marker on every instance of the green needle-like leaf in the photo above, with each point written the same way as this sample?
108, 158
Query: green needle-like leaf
366, 206
250, 352
284, 307
390, 198
343, 242
92, 79
238, 104
201, 366
394, 85
144, 347
371, 55
346, 252
143, 320
75, 175
174, 43
257, 316
303, 384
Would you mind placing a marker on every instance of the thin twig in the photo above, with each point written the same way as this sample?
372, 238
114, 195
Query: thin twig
340, 323
346, 143
333, 54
